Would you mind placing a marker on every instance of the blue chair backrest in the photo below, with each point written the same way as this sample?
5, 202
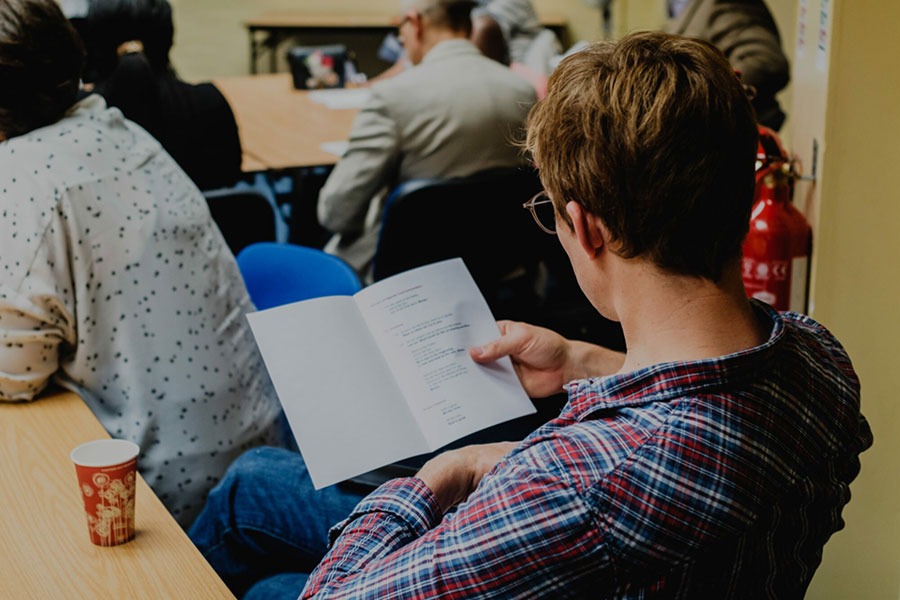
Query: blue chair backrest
277, 274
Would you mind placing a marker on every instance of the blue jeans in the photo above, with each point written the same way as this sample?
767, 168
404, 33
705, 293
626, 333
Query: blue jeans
265, 528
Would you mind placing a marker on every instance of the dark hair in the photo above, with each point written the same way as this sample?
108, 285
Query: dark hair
110, 23
128, 44
655, 135
41, 58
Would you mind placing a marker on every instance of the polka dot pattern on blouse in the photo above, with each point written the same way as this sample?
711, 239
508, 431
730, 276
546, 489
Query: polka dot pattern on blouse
115, 281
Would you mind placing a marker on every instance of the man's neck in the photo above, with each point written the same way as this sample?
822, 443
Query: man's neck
668, 318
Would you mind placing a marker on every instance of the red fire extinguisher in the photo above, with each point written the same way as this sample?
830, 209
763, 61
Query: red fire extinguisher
777, 248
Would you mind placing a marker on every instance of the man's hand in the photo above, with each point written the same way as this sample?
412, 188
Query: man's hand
545, 360
540, 356
453, 475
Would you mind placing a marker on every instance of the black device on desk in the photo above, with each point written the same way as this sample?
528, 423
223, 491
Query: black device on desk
314, 67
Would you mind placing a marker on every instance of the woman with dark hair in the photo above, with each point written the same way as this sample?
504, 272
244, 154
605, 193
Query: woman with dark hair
114, 280
128, 43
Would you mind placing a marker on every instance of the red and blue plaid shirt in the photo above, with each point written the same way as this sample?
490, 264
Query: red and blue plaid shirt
718, 478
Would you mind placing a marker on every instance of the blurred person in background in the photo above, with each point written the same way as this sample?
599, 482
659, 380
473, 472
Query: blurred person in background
510, 32
115, 282
507, 31
746, 34
453, 114
128, 43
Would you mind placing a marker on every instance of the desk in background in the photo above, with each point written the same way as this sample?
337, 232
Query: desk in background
46, 551
280, 127
267, 31
282, 132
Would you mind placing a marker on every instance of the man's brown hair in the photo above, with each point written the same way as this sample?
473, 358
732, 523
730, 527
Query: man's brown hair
41, 58
655, 135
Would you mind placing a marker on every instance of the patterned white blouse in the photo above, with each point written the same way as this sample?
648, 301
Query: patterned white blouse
115, 282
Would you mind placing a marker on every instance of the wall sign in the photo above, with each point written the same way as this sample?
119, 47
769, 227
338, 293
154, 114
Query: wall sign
824, 37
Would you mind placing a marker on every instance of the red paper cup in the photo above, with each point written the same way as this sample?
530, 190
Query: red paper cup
106, 471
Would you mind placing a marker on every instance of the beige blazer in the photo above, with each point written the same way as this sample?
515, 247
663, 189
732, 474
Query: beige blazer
453, 115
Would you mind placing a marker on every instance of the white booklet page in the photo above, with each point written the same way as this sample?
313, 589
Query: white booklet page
384, 375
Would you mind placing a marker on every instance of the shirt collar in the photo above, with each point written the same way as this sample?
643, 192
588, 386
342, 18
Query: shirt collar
450, 48
91, 103
674, 379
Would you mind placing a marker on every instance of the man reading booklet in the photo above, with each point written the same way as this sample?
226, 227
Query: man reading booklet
393, 362
712, 460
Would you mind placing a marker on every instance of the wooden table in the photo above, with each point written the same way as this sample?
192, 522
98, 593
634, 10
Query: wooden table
46, 551
276, 27
280, 127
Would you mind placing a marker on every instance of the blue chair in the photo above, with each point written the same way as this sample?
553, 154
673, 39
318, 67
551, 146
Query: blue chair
277, 274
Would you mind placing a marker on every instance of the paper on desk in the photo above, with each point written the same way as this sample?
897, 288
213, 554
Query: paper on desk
338, 148
341, 98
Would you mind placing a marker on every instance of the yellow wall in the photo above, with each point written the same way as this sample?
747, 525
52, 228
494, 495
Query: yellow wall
637, 15
211, 42
856, 289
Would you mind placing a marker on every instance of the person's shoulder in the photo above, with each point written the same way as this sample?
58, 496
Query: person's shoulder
818, 346
821, 363
501, 77
38, 163
586, 452
203, 95
37, 171
808, 383
523, 88
398, 85
30, 192
90, 143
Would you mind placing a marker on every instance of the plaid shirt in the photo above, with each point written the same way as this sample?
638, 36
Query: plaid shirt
708, 479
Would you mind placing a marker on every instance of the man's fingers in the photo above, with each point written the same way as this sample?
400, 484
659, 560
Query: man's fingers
504, 326
509, 342
486, 353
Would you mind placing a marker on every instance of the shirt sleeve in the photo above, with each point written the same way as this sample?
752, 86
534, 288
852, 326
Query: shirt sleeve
368, 166
522, 533
36, 293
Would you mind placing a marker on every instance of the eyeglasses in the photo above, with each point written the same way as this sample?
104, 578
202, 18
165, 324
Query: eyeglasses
541, 207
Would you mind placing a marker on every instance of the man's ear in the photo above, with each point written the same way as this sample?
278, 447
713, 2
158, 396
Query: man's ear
415, 19
592, 235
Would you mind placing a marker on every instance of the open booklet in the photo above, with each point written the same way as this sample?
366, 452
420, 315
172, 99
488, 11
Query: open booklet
374, 378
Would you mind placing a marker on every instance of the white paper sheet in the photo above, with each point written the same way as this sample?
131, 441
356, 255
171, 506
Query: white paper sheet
338, 148
343, 404
341, 98
424, 321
